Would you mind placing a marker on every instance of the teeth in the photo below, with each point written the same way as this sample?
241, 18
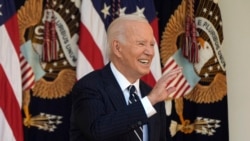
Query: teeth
144, 61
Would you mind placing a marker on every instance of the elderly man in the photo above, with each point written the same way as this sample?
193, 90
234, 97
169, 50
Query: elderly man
113, 104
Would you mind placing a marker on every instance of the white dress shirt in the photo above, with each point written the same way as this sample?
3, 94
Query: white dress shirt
124, 83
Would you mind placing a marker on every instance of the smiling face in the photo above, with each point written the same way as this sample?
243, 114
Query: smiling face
134, 51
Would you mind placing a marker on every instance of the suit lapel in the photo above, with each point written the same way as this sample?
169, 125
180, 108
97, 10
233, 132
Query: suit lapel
113, 89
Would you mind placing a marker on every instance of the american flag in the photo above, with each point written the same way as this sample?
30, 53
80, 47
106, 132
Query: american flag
184, 82
96, 15
10, 75
28, 77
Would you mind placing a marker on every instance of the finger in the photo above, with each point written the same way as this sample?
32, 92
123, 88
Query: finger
168, 78
171, 90
174, 71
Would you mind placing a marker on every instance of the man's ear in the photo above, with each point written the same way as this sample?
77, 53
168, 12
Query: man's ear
116, 48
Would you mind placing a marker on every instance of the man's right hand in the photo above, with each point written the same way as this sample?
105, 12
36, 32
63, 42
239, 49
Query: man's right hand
161, 91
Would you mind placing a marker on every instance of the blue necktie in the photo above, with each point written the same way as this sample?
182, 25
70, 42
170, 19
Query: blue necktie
133, 97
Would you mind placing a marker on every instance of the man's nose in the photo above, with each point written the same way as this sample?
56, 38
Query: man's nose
149, 50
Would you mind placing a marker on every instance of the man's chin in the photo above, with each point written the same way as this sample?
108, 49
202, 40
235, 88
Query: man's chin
146, 72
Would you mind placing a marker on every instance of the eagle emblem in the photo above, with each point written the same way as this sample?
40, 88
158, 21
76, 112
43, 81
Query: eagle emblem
212, 86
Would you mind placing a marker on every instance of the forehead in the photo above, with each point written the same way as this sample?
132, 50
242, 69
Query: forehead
140, 30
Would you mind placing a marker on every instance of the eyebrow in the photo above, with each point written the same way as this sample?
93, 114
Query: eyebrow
144, 41
140, 41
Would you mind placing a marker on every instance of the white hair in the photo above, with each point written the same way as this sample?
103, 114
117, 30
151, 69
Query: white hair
117, 29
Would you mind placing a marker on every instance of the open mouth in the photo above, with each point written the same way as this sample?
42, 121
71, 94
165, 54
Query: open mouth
144, 61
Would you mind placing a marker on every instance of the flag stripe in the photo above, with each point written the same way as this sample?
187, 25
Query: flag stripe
28, 76
83, 67
10, 82
91, 54
170, 64
6, 134
94, 24
90, 49
9, 106
29, 81
9, 58
180, 83
26, 71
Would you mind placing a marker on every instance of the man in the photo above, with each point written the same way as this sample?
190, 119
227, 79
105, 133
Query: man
102, 109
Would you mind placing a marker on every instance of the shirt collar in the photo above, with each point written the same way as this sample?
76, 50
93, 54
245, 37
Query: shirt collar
122, 80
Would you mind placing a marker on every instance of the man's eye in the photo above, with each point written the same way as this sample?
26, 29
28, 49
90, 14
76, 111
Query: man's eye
141, 43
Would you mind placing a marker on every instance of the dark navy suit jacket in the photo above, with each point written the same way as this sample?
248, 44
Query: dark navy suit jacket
100, 113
